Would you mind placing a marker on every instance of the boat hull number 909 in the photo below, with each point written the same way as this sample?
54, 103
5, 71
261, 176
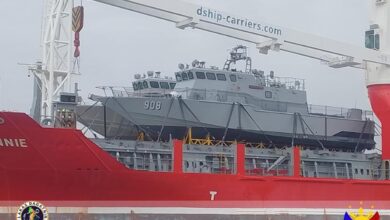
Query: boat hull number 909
152, 105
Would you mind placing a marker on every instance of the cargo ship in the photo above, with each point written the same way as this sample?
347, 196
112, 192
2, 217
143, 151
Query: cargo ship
211, 144
190, 176
74, 176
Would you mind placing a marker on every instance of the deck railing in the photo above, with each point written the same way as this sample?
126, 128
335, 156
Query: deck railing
224, 96
230, 164
279, 170
338, 111
147, 164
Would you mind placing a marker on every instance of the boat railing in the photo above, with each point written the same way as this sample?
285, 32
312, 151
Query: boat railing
146, 163
260, 170
211, 94
189, 93
321, 171
219, 165
223, 96
323, 110
285, 82
117, 91
224, 163
325, 171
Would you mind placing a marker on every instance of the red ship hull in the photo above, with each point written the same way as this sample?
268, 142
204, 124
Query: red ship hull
62, 168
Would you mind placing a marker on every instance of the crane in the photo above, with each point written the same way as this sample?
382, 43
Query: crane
54, 73
265, 36
374, 58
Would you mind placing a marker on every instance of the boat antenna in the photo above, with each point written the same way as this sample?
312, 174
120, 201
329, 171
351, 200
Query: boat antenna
240, 52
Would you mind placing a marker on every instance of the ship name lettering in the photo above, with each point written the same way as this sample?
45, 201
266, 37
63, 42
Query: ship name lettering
13, 142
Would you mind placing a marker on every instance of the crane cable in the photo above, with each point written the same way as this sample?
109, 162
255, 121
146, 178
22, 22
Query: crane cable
77, 26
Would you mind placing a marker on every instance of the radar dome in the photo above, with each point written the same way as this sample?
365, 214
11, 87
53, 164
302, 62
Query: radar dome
150, 73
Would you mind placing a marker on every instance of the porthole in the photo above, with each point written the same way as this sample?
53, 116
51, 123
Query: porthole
268, 94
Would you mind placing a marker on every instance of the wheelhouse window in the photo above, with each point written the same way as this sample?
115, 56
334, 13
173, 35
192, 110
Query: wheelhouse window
221, 76
178, 77
164, 85
140, 85
372, 40
172, 85
184, 76
145, 84
233, 78
154, 84
211, 76
135, 86
190, 75
200, 75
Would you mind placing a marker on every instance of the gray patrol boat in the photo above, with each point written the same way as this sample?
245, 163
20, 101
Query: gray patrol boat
249, 106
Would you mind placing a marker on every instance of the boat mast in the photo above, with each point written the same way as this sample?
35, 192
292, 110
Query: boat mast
239, 53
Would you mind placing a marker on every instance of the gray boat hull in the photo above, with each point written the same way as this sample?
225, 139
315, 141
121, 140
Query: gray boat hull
241, 122
112, 125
